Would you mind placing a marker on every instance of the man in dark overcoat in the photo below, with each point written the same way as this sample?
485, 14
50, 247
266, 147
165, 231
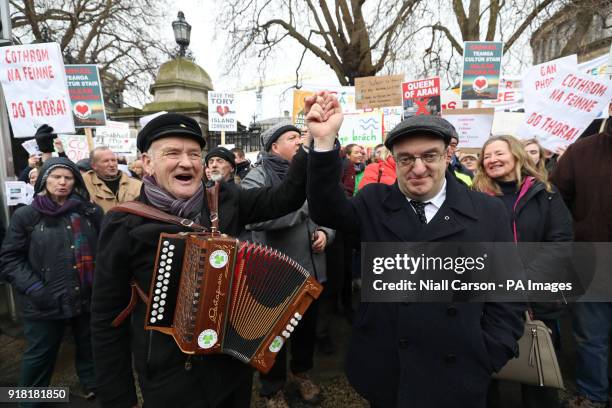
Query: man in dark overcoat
171, 147
414, 355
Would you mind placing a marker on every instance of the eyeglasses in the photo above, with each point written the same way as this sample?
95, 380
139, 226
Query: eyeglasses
427, 158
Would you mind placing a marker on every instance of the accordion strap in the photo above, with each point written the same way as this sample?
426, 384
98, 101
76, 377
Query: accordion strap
137, 292
212, 196
146, 211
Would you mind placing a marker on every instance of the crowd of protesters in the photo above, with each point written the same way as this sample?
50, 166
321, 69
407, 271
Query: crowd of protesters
315, 201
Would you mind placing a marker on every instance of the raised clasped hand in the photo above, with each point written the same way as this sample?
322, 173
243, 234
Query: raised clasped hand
323, 118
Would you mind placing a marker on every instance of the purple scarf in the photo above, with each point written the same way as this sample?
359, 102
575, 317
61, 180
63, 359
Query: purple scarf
45, 205
83, 255
190, 208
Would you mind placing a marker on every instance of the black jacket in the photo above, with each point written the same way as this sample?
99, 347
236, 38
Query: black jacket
243, 168
419, 354
128, 245
39, 248
541, 216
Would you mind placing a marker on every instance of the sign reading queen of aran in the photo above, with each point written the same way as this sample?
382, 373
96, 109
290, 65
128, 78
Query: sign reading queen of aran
222, 112
34, 84
572, 102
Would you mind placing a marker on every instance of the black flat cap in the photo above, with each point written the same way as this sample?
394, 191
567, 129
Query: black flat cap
421, 125
169, 125
223, 153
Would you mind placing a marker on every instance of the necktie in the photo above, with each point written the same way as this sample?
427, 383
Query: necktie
419, 208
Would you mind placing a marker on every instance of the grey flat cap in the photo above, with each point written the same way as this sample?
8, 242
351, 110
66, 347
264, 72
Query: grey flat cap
421, 125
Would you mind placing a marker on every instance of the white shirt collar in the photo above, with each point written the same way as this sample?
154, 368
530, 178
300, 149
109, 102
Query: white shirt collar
439, 198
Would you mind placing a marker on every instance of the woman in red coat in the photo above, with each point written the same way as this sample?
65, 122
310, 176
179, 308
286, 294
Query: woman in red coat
381, 171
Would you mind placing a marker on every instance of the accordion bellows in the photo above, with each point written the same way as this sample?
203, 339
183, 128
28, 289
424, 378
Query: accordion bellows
215, 294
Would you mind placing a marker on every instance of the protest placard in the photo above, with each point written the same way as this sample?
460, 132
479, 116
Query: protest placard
472, 125
87, 99
345, 95
116, 136
451, 99
298, 117
570, 105
18, 192
222, 112
481, 70
378, 91
506, 123
509, 97
34, 84
392, 116
421, 97
364, 129
75, 146
538, 79
31, 147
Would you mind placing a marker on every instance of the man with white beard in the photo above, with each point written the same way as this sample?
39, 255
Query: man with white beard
221, 164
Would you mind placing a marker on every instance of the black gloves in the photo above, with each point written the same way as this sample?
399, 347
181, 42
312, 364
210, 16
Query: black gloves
44, 138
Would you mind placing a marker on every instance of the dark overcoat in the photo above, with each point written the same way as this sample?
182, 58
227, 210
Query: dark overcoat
128, 244
429, 354
39, 250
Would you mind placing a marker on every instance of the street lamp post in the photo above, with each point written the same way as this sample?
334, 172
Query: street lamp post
182, 32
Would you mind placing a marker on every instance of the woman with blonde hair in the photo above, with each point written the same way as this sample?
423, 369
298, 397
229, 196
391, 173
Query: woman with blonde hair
536, 152
538, 214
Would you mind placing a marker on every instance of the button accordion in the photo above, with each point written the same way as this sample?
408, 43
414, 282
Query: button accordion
215, 294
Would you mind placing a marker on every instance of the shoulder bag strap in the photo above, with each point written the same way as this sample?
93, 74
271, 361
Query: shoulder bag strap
146, 211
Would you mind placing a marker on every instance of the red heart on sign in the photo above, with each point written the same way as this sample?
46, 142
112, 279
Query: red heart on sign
82, 108
480, 83
222, 110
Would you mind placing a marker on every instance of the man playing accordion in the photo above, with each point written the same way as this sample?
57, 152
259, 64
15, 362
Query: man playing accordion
171, 146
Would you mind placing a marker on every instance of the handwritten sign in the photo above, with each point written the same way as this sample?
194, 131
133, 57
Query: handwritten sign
538, 79
472, 125
570, 105
116, 136
34, 84
378, 91
481, 70
75, 147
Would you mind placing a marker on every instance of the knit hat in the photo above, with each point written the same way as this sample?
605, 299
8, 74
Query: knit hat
223, 153
271, 135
